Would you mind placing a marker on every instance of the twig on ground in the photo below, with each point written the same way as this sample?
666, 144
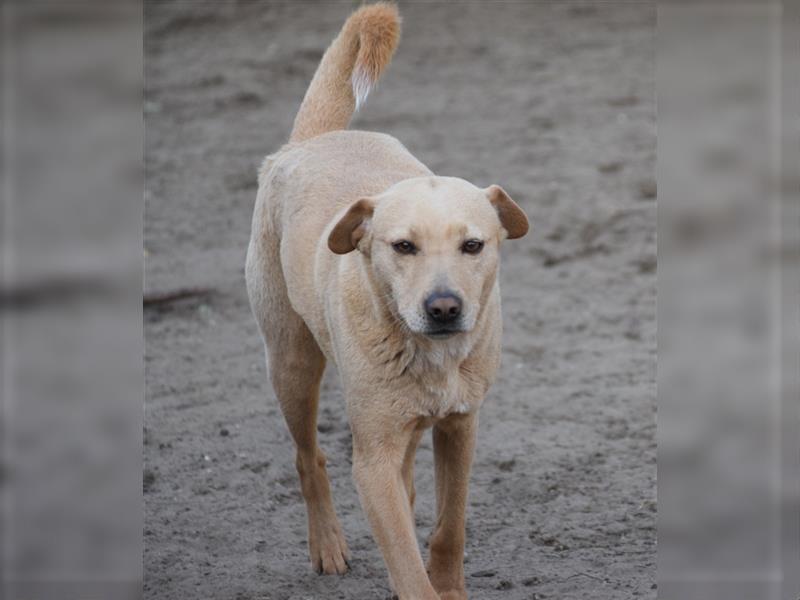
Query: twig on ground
166, 296
586, 575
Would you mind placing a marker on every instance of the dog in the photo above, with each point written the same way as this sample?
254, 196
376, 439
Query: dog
361, 256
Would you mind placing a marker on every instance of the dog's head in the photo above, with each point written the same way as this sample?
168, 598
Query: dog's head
433, 246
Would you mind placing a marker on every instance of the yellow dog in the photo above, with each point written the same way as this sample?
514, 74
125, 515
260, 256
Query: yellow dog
360, 255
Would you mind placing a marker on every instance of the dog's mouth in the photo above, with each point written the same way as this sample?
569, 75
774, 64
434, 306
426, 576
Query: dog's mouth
443, 333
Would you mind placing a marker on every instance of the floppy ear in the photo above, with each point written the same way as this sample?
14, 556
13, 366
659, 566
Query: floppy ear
351, 227
512, 218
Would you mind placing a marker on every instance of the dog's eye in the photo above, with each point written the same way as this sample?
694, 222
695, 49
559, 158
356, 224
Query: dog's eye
472, 246
404, 247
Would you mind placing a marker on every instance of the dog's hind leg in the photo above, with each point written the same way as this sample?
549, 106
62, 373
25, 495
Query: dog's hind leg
296, 366
408, 468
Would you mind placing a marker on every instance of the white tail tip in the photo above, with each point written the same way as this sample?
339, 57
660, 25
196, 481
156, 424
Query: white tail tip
362, 85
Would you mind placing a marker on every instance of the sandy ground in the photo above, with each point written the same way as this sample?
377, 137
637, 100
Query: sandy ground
553, 101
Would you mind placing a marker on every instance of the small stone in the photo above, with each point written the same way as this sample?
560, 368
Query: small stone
224, 432
484, 573
507, 465
505, 584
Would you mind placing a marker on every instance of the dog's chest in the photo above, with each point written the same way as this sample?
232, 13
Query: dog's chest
427, 380
444, 388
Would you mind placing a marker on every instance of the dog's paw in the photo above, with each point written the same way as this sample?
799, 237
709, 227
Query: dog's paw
453, 595
328, 549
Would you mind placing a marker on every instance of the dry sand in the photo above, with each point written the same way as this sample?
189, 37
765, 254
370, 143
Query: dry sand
555, 102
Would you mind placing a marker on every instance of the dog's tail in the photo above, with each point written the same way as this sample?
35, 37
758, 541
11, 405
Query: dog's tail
348, 71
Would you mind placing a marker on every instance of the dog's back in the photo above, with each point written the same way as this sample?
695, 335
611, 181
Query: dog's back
324, 168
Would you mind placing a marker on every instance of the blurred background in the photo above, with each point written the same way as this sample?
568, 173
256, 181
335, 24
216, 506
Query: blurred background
70, 294
729, 250
562, 113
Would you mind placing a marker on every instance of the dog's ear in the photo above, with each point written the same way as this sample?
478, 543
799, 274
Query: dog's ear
351, 227
512, 218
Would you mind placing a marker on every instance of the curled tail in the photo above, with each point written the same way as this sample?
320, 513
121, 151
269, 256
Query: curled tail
348, 71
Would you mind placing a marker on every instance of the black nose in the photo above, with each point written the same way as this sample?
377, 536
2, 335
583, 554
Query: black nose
443, 307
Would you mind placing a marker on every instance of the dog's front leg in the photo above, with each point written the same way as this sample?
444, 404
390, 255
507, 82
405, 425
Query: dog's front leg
453, 447
378, 456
